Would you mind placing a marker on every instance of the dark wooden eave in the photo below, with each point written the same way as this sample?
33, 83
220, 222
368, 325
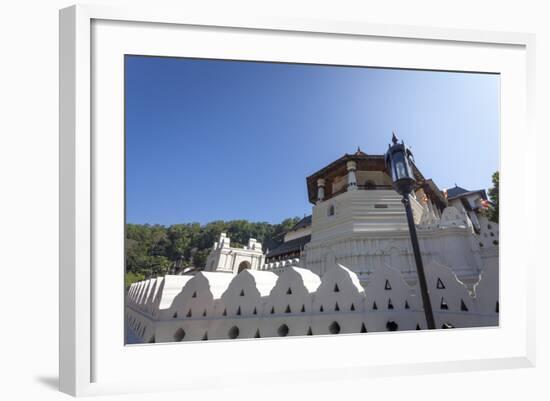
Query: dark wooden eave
434, 193
294, 246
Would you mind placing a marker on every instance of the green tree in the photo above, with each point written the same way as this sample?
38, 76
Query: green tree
153, 250
199, 257
493, 195
131, 278
180, 237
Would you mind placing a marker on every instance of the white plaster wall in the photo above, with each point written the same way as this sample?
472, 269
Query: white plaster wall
487, 291
489, 233
365, 239
390, 299
449, 296
358, 211
339, 299
170, 288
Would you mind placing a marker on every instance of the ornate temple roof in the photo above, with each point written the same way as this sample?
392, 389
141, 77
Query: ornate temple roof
338, 168
305, 222
457, 191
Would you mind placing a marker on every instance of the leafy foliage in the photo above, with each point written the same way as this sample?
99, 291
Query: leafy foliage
153, 250
493, 195
131, 277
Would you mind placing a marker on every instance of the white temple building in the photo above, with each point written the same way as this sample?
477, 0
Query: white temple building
347, 268
223, 258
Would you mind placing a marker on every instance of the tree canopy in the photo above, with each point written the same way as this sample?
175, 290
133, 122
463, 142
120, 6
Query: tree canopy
493, 195
153, 250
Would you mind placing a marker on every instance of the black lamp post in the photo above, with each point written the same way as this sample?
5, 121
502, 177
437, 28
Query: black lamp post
399, 166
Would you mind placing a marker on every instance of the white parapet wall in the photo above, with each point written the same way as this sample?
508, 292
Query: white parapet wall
298, 302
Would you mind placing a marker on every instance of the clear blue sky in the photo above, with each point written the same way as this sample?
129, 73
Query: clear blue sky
209, 140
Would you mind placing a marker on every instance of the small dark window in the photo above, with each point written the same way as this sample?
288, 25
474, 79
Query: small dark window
303, 309
352, 307
257, 335
463, 306
233, 332
254, 312
287, 310
336, 307
440, 285
387, 286
331, 210
390, 304
179, 334
194, 294
283, 330
175, 315
189, 314
239, 311
204, 313
407, 305
336, 289
224, 312
495, 242
272, 310
242, 293
374, 306
289, 291
497, 308
363, 328
418, 327
392, 326
321, 309
443, 305
481, 244
309, 332
205, 337
334, 328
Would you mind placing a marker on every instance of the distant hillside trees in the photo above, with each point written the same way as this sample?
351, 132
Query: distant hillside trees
153, 250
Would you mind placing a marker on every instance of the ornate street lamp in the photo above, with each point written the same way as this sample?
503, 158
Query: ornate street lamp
398, 162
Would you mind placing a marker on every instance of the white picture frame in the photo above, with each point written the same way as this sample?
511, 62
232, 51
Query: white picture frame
82, 344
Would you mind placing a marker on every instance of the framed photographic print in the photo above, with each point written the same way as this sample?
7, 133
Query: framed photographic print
239, 191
